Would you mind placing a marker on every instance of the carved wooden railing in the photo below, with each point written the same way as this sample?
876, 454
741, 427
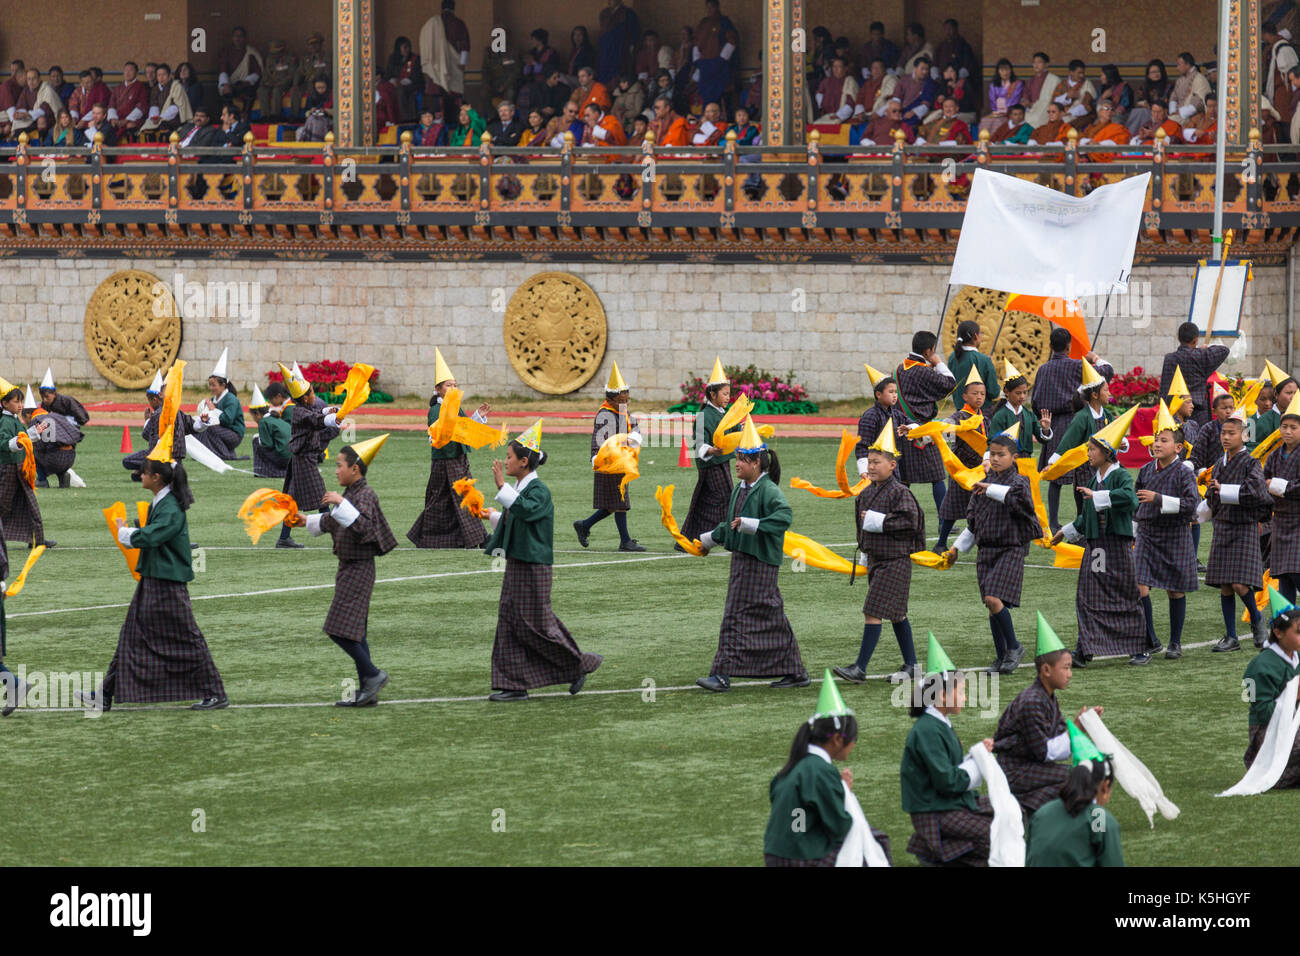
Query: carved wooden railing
862, 203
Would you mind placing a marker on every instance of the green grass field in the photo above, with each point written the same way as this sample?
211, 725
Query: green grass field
616, 775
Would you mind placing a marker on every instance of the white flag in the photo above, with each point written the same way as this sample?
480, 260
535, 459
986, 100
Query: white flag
1021, 237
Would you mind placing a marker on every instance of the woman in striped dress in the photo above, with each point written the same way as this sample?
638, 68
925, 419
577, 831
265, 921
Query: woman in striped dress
712, 468
612, 418
957, 500
219, 421
1282, 472
1087, 421
308, 437
19, 512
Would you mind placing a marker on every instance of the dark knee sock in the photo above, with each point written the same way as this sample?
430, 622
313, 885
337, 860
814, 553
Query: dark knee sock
945, 529
600, 514
1287, 586
1149, 614
1008, 629
1078, 502
620, 519
940, 488
1177, 612
359, 651
999, 642
285, 531
870, 638
1196, 540
1248, 599
903, 633
1054, 505
1228, 603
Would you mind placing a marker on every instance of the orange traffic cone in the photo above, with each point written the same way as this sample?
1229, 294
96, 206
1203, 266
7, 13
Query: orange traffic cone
683, 456
126, 440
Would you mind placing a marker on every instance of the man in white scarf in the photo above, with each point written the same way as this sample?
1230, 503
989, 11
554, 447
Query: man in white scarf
441, 62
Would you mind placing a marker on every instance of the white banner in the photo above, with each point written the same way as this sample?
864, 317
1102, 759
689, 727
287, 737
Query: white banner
1021, 237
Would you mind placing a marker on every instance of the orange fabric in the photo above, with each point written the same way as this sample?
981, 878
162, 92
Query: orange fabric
1050, 132
132, 555
615, 137
911, 363
1098, 132
598, 95
670, 131
1058, 311
1173, 133
471, 499
28, 467
847, 443
264, 509
664, 495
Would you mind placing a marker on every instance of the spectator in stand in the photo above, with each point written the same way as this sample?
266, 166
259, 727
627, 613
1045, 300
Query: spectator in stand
469, 128
407, 75
1004, 92
669, 129
716, 40
620, 33
961, 89
453, 27
953, 46
281, 75
944, 126
583, 55
507, 128
652, 57
837, 94
1293, 80
540, 63
602, 129
99, 123
1187, 98
875, 91
85, 96
640, 126
1156, 86
318, 119
683, 85
1104, 130
917, 92
819, 63
1117, 91
1160, 120
1277, 63
64, 131
36, 108
914, 48
711, 128
503, 74
388, 107
199, 132
431, 131
535, 134
844, 50
751, 97
189, 81
1054, 130
879, 130
1039, 90
877, 48
1015, 129
169, 107
240, 70
629, 99
234, 127
558, 94
553, 135
1204, 126
128, 103
61, 87
313, 65
570, 122
589, 91
10, 90
747, 134
1077, 97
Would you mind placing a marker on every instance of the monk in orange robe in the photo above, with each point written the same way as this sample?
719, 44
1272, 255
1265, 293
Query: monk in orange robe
1054, 130
603, 129
668, 127
1105, 130
1160, 120
711, 128
589, 91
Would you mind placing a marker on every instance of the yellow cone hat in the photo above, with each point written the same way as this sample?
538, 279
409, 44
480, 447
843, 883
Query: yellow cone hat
885, 441
6, 386
296, 384
1090, 376
441, 370
1164, 422
1113, 434
1178, 392
366, 450
718, 376
615, 383
1013, 431
750, 441
1274, 374
1011, 372
974, 378
874, 374
532, 439
1238, 414
1294, 408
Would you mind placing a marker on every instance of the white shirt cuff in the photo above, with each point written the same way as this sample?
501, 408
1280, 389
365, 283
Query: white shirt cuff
345, 512
112, 113
972, 768
134, 115
494, 518
1054, 459
331, 419
634, 438
1058, 747
252, 79
698, 139
171, 112
1072, 533
699, 452
313, 525
862, 466
223, 79
124, 536
479, 417
13, 443
749, 525
706, 539
1189, 465
1169, 505
873, 521
965, 541
599, 132
728, 50
1230, 494
1277, 486
464, 57
154, 112
998, 493
507, 494
1101, 500
919, 110
1203, 512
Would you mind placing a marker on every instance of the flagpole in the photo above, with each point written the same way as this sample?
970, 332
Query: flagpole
1102, 321
943, 313
1001, 323
1221, 137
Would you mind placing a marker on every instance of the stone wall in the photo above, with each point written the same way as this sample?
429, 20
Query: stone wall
664, 320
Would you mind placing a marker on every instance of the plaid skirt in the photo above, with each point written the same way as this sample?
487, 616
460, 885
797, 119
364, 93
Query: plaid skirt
955, 502
1235, 557
709, 501
135, 461
444, 523
922, 465
267, 464
879, 836
956, 837
161, 654
1290, 778
220, 440
604, 493
532, 648
1107, 604
888, 585
354, 582
54, 459
19, 512
303, 483
1284, 544
1164, 557
1034, 782
1000, 572
755, 639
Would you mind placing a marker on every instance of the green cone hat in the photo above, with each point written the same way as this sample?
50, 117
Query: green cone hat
1081, 746
936, 660
830, 703
1277, 603
1047, 639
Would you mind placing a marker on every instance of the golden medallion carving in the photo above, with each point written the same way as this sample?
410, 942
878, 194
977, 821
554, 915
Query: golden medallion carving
132, 328
555, 332
1024, 337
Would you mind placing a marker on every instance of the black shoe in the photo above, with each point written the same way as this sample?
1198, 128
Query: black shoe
1012, 659
289, 543
907, 671
43, 483
995, 667
577, 684
678, 547
716, 683
853, 673
584, 533
93, 700
1200, 567
371, 687
509, 695
789, 680
351, 702
14, 700
1077, 660
1259, 631
1155, 648
50, 542
1227, 643
631, 545
212, 703
1175, 652
65, 481
1137, 660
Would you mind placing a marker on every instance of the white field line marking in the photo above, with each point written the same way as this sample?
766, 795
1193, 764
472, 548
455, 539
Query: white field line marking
290, 705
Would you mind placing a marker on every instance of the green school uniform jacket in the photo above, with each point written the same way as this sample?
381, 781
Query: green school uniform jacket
164, 542
10, 426
452, 449
274, 432
766, 503
1264, 425
1057, 839
1030, 428
814, 787
1119, 516
1082, 427
706, 423
931, 777
960, 362
1268, 675
232, 413
526, 531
